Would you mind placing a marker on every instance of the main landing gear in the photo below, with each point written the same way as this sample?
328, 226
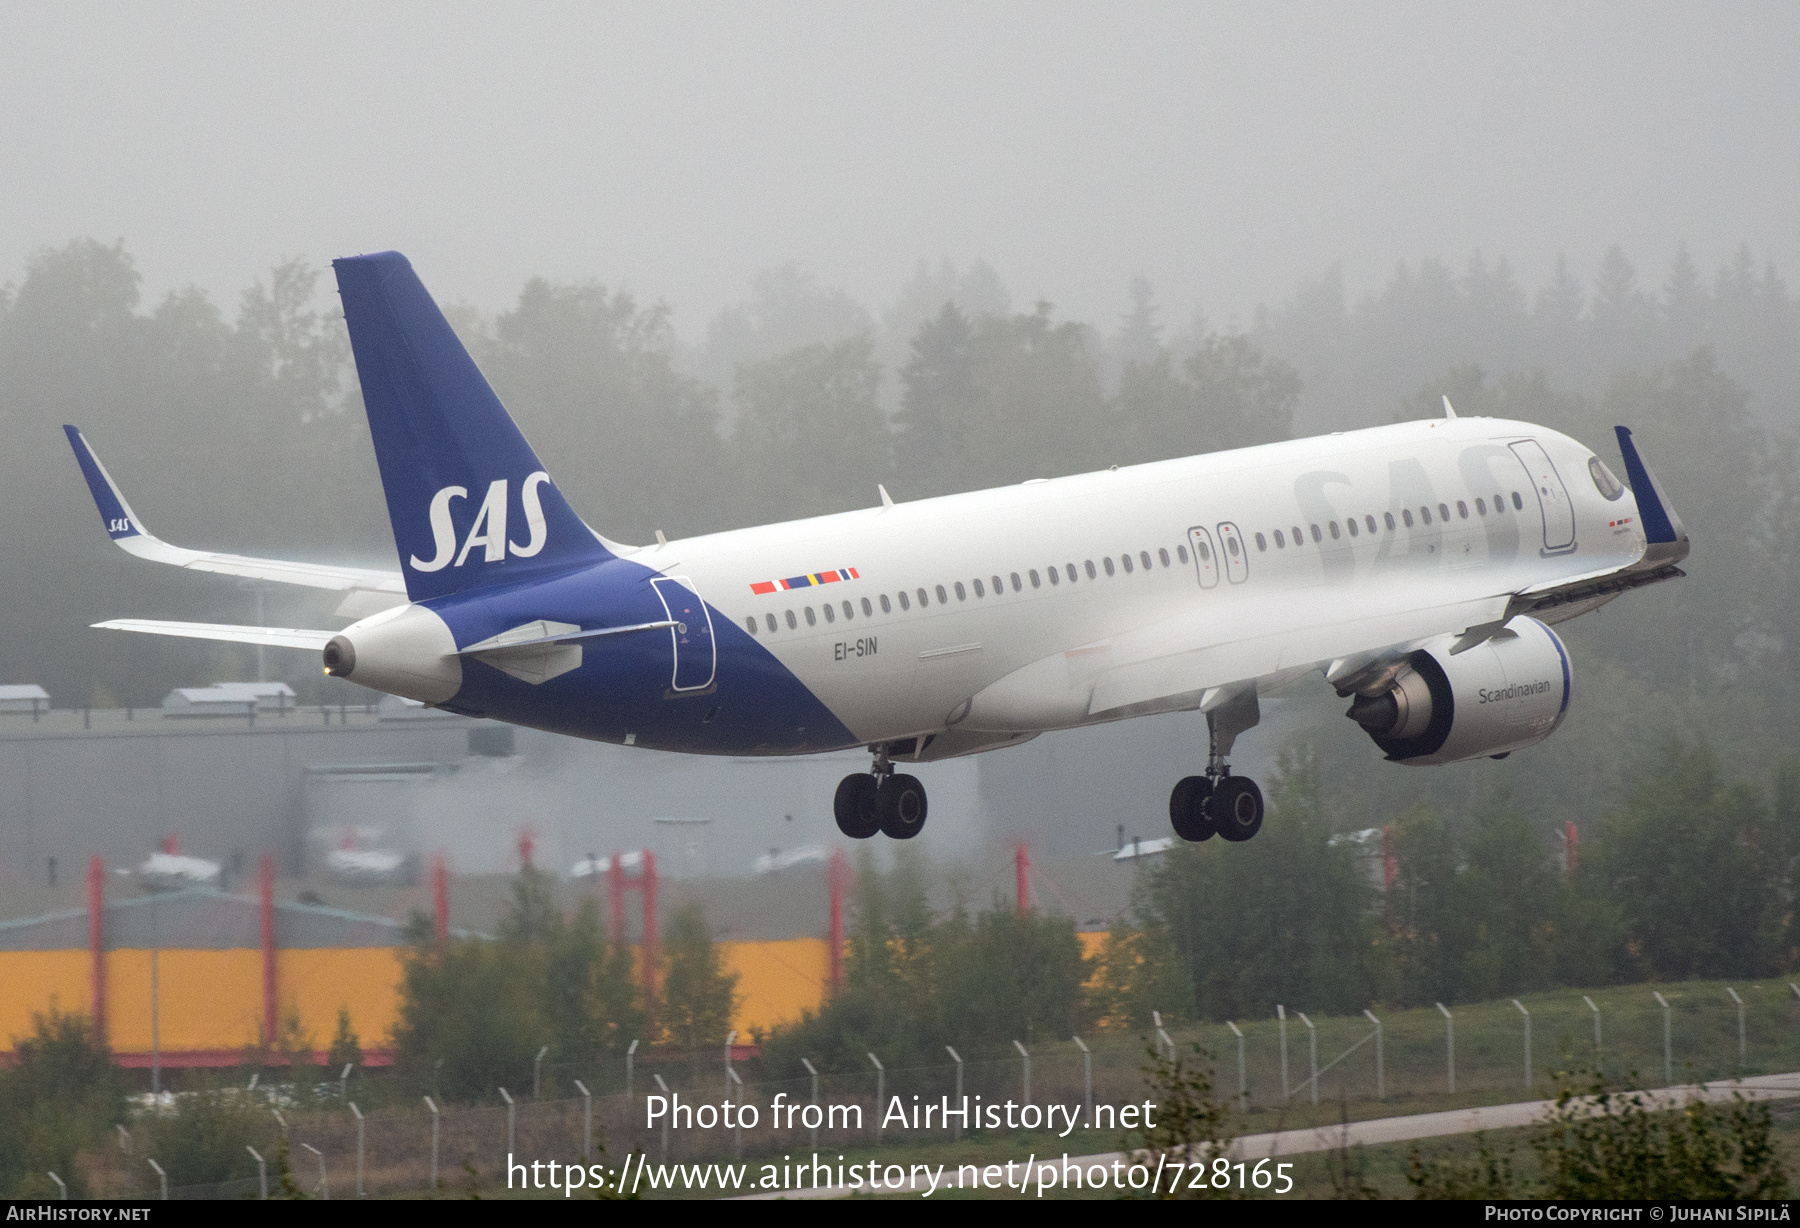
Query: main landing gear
1219, 803
880, 800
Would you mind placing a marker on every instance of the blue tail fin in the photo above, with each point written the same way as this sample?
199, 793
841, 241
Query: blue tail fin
470, 502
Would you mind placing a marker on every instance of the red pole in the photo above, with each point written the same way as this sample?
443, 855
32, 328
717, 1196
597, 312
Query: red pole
169, 845
648, 881
96, 886
440, 897
527, 842
1022, 875
265, 882
837, 871
1572, 845
615, 896
1390, 861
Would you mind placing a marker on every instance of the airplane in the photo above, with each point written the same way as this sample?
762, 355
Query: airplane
1420, 567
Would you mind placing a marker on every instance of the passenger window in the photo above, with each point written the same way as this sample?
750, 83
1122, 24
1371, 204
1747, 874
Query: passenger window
1407, 517
1071, 571
1144, 558
906, 605
1317, 536
1518, 503
1280, 541
1107, 563
1035, 581
830, 614
1018, 587
751, 623
1090, 568
887, 606
811, 619
850, 611
1334, 530
1162, 554
1231, 544
1387, 518
1204, 551
1351, 525
1126, 560
1262, 543
1370, 521
1299, 537
770, 620
1480, 506
1462, 509
868, 610
979, 591
999, 587
791, 621
942, 598
1425, 514
1444, 512
925, 600
1181, 555
1499, 503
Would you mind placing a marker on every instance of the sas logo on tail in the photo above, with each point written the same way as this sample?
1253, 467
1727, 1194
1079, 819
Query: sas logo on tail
489, 530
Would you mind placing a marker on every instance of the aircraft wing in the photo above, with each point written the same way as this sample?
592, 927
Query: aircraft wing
366, 590
273, 637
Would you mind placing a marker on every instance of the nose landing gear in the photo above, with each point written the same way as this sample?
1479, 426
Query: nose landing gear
880, 800
1219, 803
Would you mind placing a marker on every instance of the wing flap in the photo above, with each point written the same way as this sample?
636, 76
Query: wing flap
274, 637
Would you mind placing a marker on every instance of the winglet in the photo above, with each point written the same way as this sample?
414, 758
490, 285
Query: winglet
1448, 411
1662, 526
116, 514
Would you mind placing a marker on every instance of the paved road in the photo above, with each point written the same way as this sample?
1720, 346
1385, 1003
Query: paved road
1396, 1129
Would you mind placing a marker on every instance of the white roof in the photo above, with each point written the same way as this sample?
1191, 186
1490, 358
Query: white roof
1144, 848
27, 690
239, 692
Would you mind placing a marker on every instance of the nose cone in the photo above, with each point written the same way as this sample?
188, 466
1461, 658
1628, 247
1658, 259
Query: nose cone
407, 651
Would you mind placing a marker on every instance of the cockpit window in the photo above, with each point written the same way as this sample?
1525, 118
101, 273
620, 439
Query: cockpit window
1604, 481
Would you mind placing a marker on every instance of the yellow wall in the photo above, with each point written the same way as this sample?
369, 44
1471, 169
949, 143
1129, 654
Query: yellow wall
776, 980
31, 980
363, 980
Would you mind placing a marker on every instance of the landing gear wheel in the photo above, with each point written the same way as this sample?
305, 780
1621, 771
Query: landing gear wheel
1236, 808
1187, 809
854, 806
900, 807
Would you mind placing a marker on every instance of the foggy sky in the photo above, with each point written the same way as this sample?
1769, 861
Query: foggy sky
1226, 151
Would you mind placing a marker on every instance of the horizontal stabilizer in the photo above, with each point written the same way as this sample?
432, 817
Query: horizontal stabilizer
276, 637
125, 528
505, 641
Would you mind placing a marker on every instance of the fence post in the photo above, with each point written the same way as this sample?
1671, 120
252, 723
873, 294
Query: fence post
957, 1058
1281, 1014
730, 1037
1740, 1006
1243, 1086
1312, 1049
587, 1120
880, 1092
262, 1174
813, 1073
163, 1178
1527, 1015
344, 1082
511, 1122
432, 1105
1087, 1080
62, 1188
665, 1116
1449, 1043
1596, 1010
537, 1069
359, 1150
1668, 1053
1380, 1071
630, 1053
1156, 1022
324, 1188
738, 1143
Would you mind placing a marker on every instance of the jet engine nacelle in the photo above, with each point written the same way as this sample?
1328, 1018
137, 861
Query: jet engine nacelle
1502, 695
